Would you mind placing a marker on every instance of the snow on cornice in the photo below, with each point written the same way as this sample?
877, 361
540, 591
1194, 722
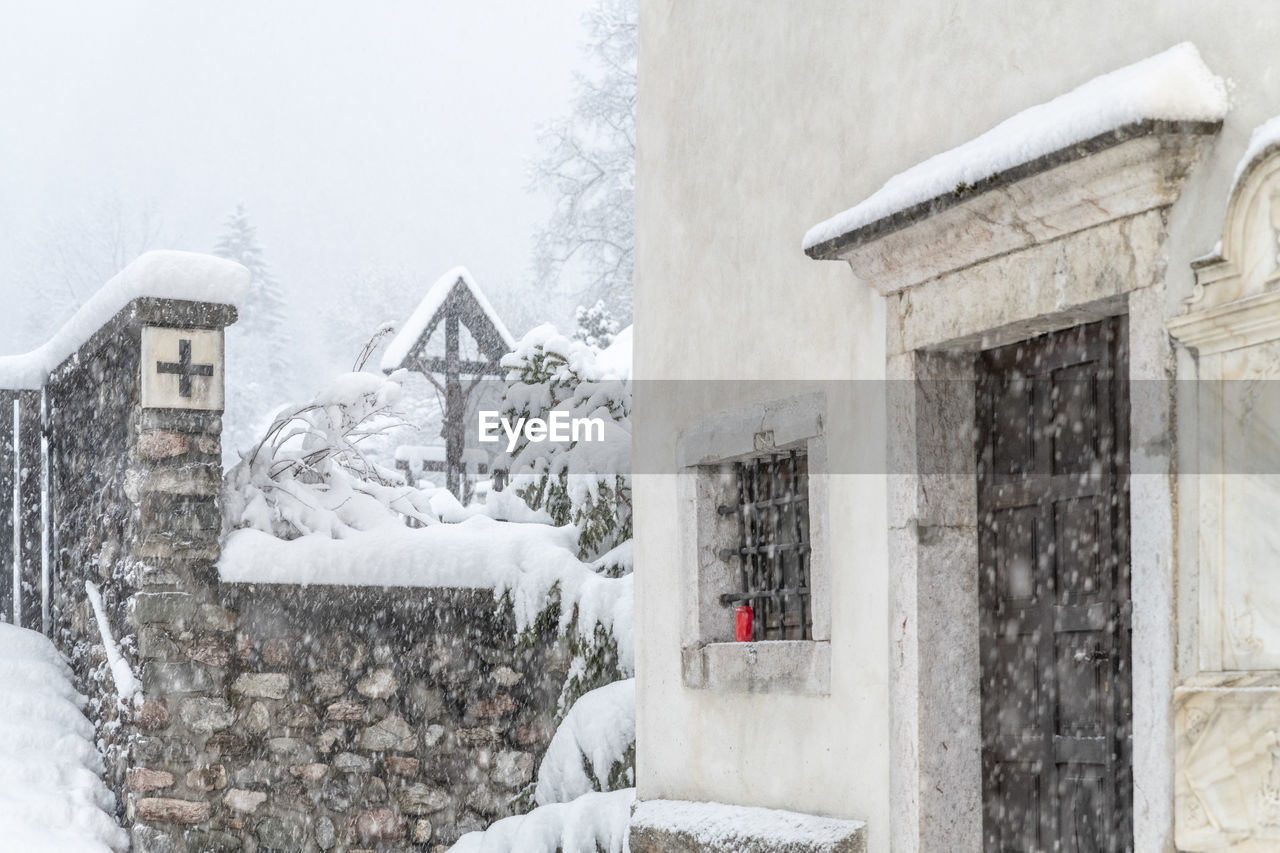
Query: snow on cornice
187, 276
1174, 85
402, 344
1263, 137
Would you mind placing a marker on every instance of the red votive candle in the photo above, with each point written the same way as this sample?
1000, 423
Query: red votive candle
745, 616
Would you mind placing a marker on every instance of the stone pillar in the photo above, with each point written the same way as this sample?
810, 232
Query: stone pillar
136, 474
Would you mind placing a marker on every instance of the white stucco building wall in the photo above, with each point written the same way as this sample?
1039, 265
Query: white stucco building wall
756, 121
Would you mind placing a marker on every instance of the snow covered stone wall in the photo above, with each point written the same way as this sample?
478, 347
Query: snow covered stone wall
357, 717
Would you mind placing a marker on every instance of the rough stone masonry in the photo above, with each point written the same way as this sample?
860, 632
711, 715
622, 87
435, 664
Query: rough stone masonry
274, 718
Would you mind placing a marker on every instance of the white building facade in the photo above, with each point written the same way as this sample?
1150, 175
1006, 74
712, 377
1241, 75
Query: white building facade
1024, 392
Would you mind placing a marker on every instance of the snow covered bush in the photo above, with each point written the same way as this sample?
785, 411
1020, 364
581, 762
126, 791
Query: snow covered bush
308, 474
593, 823
585, 483
593, 749
596, 326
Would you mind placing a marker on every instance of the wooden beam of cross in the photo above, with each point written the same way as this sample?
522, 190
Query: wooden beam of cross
184, 368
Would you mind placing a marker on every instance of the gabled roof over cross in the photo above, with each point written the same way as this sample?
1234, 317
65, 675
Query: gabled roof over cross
454, 293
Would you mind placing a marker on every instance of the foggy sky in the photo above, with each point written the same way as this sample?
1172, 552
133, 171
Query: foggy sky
360, 136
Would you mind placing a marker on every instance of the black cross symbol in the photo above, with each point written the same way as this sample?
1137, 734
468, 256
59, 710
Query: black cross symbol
184, 368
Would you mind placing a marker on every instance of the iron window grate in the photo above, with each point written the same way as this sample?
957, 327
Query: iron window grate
773, 545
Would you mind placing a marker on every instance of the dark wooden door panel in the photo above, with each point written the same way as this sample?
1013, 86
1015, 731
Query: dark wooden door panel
1054, 587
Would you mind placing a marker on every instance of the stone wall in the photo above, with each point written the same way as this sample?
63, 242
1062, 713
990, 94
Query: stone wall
288, 718
272, 718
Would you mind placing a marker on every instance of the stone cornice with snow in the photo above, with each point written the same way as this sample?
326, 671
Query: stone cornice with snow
1115, 147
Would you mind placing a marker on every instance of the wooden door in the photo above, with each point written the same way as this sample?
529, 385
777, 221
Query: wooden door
1053, 547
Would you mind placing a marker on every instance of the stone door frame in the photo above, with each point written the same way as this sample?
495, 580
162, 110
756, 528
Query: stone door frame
936, 329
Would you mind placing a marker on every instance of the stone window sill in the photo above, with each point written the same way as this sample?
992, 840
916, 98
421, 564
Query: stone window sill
775, 666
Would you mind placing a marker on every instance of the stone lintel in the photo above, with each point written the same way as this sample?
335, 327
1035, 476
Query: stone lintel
1124, 172
673, 826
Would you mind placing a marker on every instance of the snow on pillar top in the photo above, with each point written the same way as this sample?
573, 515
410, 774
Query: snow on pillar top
165, 275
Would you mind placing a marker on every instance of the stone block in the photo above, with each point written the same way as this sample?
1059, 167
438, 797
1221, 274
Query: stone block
421, 832
379, 825
399, 765
482, 736
206, 715
162, 750
345, 711
210, 778
258, 718
326, 833
165, 679
169, 810
273, 834
505, 676
330, 738
240, 800
381, 683
309, 772
226, 745
293, 749
140, 780
328, 685
156, 644
148, 839
486, 802
154, 445
214, 617
276, 652
425, 702
171, 608
349, 762
512, 769
298, 716
262, 685
338, 794
419, 799
211, 841
211, 650
391, 733
187, 480
153, 715
501, 705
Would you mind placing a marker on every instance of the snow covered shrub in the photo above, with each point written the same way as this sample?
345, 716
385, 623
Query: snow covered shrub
593, 823
586, 483
308, 474
593, 749
596, 326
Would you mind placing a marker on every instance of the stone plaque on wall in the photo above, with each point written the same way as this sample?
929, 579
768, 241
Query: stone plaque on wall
1228, 787
182, 368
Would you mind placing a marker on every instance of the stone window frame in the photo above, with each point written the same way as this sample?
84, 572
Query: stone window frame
706, 451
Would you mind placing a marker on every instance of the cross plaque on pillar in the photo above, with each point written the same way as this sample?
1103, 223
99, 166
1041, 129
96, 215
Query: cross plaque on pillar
191, 381
184, 368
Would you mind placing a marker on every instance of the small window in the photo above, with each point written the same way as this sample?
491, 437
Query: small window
753, 533
773, 551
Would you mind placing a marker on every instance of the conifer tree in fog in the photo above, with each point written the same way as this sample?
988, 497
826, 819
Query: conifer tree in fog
588, 167
257, 358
